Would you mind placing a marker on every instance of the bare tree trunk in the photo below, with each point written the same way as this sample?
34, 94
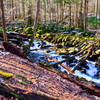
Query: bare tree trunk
70, 15
61, 10
12, 7
30, 15
49, 10
23, 9
76, 15
36, 21
3, 21
37, 13
45, 11
16, 10
97, 6
99, 14
81, 15
97, 9
85, 14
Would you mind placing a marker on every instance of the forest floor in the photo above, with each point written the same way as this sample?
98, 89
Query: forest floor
46, 84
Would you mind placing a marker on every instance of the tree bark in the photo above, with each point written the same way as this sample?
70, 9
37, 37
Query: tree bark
76, 15
3, 21
36, 21
23, 9
12, 7
70, 15
85, 14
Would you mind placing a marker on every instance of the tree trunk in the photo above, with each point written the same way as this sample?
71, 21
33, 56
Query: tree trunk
97, 9
81, 15
30, 15
97, 6
23, 9
45, 10
70, 16
85, 15
35, 24
3, 21
12, 8
76, 15
49, 10
61, 10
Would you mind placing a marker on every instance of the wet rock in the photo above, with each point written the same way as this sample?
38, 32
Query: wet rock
97, 86
98, 62
59, 46
87, 67
83, 71
62, 51
45, 46
48, 51
84, 64
72, 50
80, 68
98, 74
97, 52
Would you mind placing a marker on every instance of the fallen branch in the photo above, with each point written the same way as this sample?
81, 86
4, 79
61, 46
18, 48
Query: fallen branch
64, 66
88, 47
83, 59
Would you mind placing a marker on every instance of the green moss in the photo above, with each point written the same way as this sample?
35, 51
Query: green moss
28, 30
24, 80
14, 94
6, 75
1, 29
6, 82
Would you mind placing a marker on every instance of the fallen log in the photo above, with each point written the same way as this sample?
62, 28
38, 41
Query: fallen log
13, 35
13, 49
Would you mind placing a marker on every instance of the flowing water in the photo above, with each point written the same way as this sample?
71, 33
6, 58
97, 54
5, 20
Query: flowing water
42, 49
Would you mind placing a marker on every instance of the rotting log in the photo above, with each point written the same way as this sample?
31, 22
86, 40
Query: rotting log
13, 49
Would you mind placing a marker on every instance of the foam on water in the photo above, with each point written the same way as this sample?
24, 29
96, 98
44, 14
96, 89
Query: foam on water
89, 78
4, 53
91, 73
